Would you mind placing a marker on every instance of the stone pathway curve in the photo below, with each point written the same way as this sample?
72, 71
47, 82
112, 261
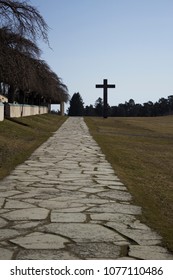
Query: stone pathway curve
65, 202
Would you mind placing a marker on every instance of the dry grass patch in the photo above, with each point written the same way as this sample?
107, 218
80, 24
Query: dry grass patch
141, 152
21, 136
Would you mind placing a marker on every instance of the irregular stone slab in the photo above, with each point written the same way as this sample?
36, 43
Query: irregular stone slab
142, 237
106, 170
57, 217
53, 179
72, 210
106, 177
54, 204
68, 187
36, 172
149, 253
33, 201
37, 191
23, 195
136, 224
87, 251
116, 208
39, 240
42, 190
25, 178
115, 217
5, 254
27, 214
3, 223
17, 204
87, 166
94, 200
40, 165
9, 193
100, 172
93, 189
46, 182
68, 196
84, 232
8, 233
42, 185
46, 255
121, 188
109, 182
116, 194
79, 182
67, 167
21, 225
73, 176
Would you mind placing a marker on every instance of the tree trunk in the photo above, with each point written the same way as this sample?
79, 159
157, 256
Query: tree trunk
11, 94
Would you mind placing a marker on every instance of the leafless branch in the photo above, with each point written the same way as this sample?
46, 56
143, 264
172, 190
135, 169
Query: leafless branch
22, 18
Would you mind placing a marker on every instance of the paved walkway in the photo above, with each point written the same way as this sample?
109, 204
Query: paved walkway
65, 202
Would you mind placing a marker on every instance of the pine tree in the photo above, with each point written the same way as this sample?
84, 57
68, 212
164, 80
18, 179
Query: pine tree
76, 105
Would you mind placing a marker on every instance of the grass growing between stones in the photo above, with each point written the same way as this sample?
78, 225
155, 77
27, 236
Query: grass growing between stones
21, 136
141, 153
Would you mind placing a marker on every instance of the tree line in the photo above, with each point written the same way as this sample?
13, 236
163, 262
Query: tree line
24, 77
164, 106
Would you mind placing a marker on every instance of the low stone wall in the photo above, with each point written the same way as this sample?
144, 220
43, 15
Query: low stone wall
43, 110
1, 111
19, 110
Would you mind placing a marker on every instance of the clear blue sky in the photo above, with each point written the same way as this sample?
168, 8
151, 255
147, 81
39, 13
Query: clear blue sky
129, 42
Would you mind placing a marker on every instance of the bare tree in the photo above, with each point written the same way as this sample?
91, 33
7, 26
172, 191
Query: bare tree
20, 66
15, 52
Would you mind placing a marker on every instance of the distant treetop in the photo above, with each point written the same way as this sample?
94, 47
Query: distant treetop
76, 105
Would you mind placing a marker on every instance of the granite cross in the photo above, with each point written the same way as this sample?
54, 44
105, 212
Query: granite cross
105, 86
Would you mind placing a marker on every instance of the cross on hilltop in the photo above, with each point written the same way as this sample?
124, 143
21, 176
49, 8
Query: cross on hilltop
105, 86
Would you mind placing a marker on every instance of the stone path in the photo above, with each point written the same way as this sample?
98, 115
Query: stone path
65, 202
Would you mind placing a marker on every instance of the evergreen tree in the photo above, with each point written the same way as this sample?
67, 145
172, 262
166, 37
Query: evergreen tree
99, 107
90, 111
76, 105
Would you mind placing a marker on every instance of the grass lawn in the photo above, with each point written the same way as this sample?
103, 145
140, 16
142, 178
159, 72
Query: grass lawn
141, 153
21, 136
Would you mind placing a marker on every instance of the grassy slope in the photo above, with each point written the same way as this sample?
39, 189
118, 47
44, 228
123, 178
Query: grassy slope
141, 152
20, 137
